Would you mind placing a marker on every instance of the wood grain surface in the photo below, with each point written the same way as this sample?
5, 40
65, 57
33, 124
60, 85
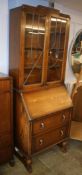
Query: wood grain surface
47, 101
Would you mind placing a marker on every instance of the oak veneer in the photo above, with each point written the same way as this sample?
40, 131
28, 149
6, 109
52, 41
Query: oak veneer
42, 106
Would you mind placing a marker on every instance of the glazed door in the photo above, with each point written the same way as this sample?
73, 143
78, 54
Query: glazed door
56, 49
34, 48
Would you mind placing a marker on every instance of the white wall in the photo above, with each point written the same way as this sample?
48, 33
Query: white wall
15, 3
4, 36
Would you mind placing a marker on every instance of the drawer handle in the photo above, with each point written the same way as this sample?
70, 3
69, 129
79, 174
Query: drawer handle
64, 117
61, 132
41, 141
42, 125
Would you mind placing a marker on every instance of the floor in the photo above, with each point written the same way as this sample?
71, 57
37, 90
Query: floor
51, 162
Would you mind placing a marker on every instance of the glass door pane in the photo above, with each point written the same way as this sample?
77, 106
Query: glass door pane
34, 48
56, 49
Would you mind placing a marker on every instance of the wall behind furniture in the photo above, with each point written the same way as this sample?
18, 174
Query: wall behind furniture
15, 3
4, 36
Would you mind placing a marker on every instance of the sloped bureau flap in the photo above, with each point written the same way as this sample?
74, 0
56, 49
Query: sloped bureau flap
47, 101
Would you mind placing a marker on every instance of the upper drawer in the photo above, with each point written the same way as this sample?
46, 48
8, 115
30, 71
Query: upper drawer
5, 85
52, 121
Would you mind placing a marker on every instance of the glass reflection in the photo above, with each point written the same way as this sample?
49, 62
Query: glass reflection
34, 44
56, 49
77, 55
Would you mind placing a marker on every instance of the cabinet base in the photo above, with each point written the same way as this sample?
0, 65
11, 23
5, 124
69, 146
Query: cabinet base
25, 159
28, 164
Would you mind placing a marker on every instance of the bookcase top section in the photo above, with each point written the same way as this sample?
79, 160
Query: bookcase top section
38, 46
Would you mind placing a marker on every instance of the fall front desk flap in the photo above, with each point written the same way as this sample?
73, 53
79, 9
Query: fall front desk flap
47, 101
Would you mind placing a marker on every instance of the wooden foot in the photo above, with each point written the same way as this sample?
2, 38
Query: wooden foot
12, 162
63, 146
26, 160
28, 164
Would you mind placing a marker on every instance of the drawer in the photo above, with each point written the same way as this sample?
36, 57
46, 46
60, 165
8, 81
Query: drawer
52, 121
50, 138
5, 141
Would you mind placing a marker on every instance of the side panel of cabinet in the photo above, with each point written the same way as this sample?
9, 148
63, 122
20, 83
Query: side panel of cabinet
16, 46
22, 127
6, 120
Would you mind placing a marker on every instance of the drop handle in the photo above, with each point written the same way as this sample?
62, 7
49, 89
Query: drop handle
61, 132
42, 125
50, 52
64, 117
41, 141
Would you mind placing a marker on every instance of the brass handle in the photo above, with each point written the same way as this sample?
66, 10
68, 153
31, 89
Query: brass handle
61, 132
41, 141
64, 117
42, 125
50, 52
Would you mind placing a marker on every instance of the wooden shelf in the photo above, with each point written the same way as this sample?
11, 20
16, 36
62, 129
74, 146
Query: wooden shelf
30, 67
57, 49
57, 33
38, 49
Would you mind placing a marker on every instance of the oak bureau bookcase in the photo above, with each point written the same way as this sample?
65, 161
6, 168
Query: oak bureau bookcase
38, 51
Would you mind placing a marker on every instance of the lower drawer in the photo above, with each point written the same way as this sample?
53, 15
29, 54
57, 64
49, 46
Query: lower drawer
50, 138
5, 154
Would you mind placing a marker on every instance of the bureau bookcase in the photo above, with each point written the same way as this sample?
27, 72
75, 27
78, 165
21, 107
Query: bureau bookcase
42, 106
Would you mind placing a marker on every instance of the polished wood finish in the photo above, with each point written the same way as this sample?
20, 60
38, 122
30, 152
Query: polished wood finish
43, 141
18, 47
76, 130
51, 121
56, 99
38, 51
6, 119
